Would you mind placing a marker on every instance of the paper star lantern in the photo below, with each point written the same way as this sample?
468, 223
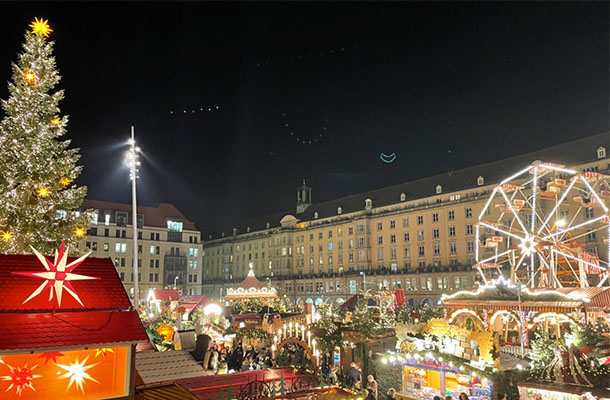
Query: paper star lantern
77, 372
58, 275
7, 236
79, 232
29, 77
41, 27
21, 378
43, 192
104, 351
51, 355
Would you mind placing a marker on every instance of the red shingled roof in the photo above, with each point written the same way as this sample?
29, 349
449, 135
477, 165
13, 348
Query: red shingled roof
190, 302
153, 216
105, 317
166, 295
70, 329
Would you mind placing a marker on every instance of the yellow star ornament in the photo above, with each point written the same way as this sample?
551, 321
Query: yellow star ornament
41, 27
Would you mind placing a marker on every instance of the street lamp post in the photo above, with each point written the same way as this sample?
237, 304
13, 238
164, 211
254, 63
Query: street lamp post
363, 280
133, 163
175, 283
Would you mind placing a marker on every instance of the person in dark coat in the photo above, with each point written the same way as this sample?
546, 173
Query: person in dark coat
354, 375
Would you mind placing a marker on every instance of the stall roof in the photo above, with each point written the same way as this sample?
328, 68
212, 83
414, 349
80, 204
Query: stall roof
33, 317
164, 366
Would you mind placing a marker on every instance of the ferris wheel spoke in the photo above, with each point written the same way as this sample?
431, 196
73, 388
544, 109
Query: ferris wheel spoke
558, 169
534, 195
600, 202
491, 196
494, 257
513, 210
485, 224
557, 206
563, 231
510, 178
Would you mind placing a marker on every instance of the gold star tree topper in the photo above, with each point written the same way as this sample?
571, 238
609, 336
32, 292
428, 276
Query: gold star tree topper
41, 27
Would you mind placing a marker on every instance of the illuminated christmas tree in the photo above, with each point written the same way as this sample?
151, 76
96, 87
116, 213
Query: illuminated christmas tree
38, 197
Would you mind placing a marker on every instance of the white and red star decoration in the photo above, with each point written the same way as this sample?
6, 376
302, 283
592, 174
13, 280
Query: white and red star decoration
77, 372
21, 378
57, 276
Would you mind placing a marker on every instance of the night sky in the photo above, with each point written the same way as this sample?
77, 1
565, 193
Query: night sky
442, 85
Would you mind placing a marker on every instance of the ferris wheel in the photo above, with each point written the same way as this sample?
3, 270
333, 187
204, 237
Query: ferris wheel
547, 226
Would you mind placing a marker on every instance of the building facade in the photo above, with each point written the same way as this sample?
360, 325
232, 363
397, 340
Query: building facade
169, 246
418, 236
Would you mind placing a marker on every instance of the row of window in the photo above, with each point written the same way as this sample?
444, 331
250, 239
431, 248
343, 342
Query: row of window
410, 284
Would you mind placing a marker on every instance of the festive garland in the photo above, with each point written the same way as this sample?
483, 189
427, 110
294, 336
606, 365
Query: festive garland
256, 334
434, 355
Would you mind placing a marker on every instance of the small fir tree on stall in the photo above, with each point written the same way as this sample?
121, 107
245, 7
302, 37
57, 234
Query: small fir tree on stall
230, 394
38, 196
282, 389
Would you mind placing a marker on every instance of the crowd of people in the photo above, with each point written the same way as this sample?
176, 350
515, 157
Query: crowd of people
226, 359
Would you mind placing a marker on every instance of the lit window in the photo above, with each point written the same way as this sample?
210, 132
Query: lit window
107, 219
94, 218
439, 189
403, 197
480, 181
174, 226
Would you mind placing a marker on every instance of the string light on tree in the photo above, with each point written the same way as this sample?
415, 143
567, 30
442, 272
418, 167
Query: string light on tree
41, 27
55, 121
64, 181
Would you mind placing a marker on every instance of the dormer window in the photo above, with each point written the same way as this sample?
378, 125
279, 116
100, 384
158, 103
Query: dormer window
403, 197
368, 204
480, 181
339, 210
268, 224
315, 215
601, 152
439, 189
174, 226
248, 229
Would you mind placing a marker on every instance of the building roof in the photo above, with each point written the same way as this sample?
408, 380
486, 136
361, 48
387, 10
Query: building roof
166, 295
153, 216
105, 315
164, 366
190, 302
250, 288
574, 152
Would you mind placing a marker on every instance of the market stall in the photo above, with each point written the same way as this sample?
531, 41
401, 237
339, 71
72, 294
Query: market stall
426, 379
537, 391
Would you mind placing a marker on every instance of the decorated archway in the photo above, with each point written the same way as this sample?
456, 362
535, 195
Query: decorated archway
507, 325
295, 352
467, 319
